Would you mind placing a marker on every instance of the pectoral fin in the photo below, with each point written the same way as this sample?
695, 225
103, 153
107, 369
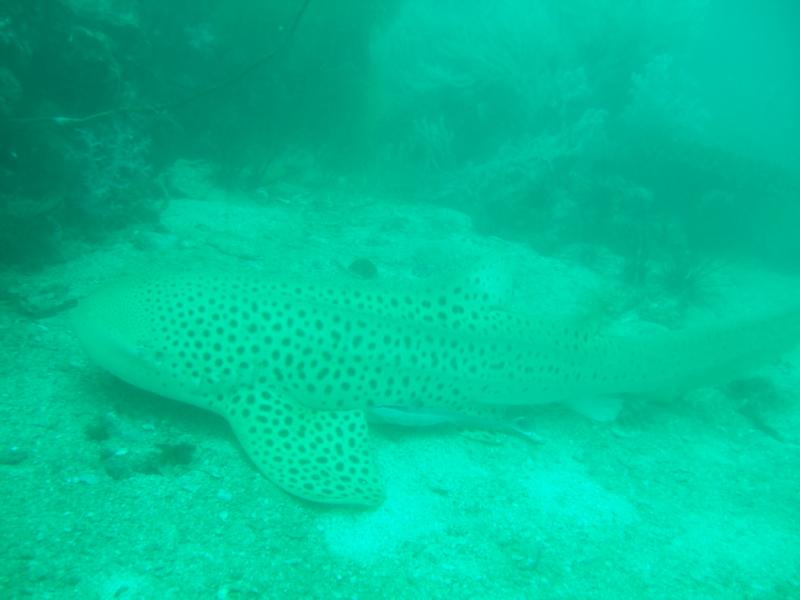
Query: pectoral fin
323, 456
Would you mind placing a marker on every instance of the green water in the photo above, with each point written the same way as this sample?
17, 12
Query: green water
630, 169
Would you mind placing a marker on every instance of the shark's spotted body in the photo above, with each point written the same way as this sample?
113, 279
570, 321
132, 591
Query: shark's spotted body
294, 366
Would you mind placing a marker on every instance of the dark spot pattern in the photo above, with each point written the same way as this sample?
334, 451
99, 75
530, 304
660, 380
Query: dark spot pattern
318, 455
319, 354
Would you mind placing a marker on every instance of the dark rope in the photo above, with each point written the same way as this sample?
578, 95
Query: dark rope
220, 85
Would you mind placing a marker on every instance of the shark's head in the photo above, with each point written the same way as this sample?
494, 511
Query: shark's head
116, 326
205, 340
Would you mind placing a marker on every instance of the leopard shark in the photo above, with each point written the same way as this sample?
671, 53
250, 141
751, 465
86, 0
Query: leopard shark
294, 367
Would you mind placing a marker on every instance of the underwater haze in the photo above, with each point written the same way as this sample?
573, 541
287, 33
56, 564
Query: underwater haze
400, 299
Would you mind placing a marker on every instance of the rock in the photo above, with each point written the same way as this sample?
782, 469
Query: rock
12, 455
363, 268
40, 301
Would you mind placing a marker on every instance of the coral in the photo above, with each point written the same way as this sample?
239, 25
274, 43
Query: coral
10, 92
116, 176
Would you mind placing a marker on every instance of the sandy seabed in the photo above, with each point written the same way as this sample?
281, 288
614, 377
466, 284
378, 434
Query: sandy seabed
111, 493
